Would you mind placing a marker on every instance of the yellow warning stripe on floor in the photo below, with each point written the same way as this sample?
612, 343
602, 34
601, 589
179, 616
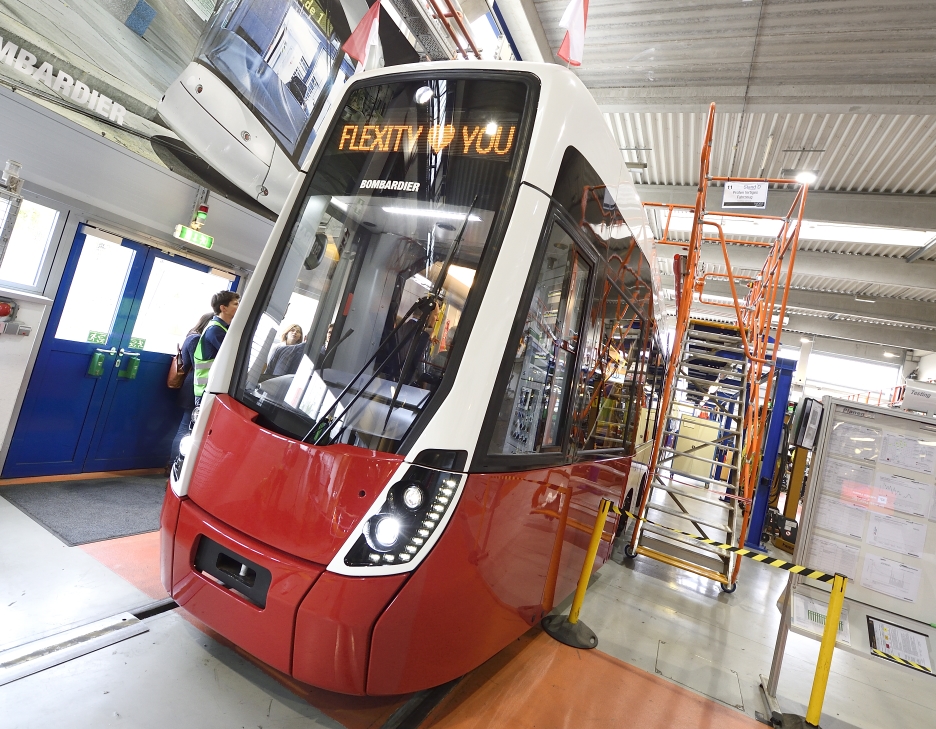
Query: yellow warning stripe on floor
749, 553
901, 661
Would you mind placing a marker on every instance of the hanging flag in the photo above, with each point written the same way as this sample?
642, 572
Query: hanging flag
574, 20
364, 44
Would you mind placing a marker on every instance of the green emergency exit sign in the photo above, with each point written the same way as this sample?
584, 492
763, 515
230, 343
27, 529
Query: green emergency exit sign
190, 235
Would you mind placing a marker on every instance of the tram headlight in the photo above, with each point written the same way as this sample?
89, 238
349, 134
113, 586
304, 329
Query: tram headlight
408, 522
185, 445
386, 531
412, 496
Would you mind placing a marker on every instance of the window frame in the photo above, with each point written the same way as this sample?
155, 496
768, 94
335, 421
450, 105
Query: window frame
488, 256
44, 270
484, 461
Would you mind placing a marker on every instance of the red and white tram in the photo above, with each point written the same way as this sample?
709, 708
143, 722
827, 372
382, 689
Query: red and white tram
385, 505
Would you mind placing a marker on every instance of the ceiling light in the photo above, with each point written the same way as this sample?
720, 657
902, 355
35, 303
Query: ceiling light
636, 165
890, 355
340, 205
864, 299
423, 94
805, 340
806, 177
427, 213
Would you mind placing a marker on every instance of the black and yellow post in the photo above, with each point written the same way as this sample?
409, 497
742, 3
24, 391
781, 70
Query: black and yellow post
570, 630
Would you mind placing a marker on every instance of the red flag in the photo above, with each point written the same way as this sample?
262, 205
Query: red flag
574, 20
364, 43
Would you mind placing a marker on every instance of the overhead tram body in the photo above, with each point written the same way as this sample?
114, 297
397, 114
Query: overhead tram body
385, 505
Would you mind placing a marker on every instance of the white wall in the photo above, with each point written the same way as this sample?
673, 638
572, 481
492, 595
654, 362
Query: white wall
926, 370
99, 180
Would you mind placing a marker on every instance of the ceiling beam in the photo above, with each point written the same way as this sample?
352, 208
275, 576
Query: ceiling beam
856, 208
764, 98
867, 269
897, 311
887, 335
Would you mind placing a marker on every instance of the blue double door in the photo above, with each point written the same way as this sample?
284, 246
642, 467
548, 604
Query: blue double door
97, 399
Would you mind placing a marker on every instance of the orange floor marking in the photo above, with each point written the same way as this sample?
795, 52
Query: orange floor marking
135, 558
539, 682
81, 476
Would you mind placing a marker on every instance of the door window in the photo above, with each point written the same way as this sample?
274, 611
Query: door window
174, 299
534, 406
95, 292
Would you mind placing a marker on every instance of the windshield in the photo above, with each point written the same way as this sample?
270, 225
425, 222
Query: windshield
277, 54
356, 330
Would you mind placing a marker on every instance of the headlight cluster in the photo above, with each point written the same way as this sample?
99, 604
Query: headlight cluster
407, 520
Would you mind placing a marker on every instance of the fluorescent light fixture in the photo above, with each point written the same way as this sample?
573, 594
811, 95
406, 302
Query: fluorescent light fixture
426, 213
340, 205
805, 340
636, 165
463, 274
890, 355
864, 299
681, 222
423, 281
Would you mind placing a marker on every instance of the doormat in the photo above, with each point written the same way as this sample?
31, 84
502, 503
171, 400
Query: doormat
79, 512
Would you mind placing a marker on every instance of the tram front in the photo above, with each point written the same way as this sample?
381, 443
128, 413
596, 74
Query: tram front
302, 507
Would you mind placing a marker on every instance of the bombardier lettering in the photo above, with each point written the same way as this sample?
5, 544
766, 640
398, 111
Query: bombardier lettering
389, 185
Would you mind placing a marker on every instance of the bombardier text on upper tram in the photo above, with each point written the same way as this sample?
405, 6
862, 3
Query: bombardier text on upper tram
386, 504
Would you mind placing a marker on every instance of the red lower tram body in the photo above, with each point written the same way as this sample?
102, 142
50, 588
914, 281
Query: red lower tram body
274, 512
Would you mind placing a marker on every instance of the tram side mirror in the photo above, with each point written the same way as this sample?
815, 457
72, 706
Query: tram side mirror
315, 256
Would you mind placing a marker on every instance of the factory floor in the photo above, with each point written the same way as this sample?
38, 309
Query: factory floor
673, 652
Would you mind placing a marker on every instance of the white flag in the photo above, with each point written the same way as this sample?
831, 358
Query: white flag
574, 20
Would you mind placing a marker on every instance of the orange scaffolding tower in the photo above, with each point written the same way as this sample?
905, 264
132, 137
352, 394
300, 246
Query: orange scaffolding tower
758, 314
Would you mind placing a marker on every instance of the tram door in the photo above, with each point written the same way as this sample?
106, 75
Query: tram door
97, 399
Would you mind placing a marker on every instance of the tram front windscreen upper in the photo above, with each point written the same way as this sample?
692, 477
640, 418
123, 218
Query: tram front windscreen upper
277, 55
413, 175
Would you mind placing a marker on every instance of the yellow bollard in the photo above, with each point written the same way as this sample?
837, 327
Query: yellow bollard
603, 509
569, 630
826, 647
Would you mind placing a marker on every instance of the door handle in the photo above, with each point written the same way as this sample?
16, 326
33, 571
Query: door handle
96, 365
130, 371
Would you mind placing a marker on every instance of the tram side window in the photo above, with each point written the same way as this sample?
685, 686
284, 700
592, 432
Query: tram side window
535, 403
611, 388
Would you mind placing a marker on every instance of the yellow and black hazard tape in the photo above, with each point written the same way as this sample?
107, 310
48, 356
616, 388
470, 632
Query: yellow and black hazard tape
749, 553
901, 661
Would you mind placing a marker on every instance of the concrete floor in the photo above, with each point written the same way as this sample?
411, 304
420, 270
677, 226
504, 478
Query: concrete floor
674, 652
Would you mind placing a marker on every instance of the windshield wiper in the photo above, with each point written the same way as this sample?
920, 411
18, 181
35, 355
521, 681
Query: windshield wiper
421, 302
330, 351
436, 300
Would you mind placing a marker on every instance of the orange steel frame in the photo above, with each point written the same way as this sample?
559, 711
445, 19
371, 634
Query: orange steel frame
766, 294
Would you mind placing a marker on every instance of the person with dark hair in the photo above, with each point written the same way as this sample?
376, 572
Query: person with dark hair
186, 392
224, 305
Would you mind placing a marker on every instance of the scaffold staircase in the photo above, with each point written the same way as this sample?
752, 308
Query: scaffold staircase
714, 403
695, 485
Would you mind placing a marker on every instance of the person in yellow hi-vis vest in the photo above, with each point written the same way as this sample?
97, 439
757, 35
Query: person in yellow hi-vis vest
224, 304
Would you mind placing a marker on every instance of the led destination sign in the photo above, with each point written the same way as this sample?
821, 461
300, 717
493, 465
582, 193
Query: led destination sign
466, 139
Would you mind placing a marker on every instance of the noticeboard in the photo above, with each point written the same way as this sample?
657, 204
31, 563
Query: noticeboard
870, 513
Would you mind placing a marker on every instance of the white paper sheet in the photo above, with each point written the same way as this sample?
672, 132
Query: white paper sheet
896, 534
848, 482
899, 493
896, 641
299, 381
903, 451
831, 556
855, 441
809, 614
890, 577
840, 518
